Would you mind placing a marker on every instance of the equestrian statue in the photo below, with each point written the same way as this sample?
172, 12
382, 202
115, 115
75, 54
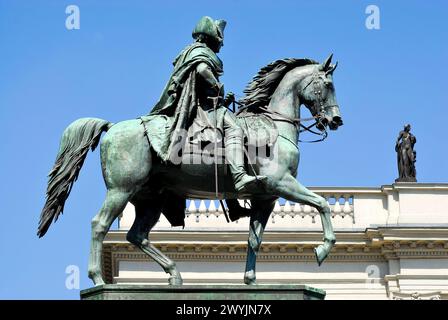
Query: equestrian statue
161, 159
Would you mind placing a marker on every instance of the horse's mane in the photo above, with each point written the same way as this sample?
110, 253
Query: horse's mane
259, 91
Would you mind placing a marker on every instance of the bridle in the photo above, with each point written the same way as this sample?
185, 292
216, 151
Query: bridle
297, 122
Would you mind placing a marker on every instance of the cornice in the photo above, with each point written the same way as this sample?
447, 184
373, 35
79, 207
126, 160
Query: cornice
372, 245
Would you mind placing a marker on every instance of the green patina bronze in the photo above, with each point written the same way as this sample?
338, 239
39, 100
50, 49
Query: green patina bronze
202, 292
181, 83
136, 154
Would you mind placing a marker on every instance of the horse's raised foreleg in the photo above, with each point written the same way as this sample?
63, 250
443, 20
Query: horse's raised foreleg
290, 189
146, 216
261, 211
114, 204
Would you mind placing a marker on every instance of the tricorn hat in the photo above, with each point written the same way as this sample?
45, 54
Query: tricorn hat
211, 28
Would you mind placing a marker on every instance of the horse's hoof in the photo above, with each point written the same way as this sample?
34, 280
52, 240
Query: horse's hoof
250, 279
175, 281
318, 254
99, 284
322, 251
97, 280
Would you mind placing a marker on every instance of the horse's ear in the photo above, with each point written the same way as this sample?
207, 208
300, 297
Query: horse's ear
324, 66
331, 69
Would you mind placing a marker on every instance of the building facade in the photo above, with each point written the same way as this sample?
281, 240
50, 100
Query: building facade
392, 243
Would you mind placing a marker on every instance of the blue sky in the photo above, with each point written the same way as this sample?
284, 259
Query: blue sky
115, 66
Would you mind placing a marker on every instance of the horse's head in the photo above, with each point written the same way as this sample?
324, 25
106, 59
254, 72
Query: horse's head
318, 95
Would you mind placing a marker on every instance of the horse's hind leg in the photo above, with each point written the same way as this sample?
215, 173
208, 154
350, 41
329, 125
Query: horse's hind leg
146, 216
114, 204
290, 189
261, 210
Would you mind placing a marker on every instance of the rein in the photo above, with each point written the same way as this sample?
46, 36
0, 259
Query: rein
297, 122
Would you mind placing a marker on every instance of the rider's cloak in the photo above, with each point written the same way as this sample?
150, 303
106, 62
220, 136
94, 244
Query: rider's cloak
179, 98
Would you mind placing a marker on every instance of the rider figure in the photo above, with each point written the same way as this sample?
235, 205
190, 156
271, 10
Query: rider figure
195, 81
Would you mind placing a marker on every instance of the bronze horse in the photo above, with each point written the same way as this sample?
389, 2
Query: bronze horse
133, 173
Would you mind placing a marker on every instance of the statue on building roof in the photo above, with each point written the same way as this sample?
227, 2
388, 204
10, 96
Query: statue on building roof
406, 156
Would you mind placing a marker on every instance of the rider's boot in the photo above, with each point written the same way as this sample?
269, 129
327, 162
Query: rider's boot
235, 158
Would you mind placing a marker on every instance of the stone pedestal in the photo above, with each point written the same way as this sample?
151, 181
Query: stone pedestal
202, 292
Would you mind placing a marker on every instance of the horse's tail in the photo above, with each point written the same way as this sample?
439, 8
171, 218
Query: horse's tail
80, 136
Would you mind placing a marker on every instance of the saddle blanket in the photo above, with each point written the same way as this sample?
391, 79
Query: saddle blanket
259, 130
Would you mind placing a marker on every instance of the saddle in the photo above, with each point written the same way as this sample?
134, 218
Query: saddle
208, 128
205, 133
259, 131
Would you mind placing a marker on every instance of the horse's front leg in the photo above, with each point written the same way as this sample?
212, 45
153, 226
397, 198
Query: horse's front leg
290, 189
261, 210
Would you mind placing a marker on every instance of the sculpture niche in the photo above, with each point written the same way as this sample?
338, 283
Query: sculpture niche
134, 172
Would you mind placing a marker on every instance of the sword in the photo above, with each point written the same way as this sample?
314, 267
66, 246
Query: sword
215, 106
